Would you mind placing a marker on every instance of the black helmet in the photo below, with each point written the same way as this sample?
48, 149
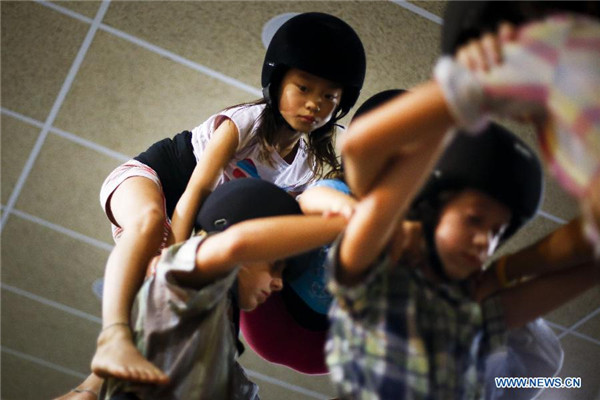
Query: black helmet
322, 45
243, 199
376, 100
495, 162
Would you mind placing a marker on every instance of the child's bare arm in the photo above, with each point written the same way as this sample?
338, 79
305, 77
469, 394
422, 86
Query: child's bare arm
216, 155
563, 248
405, 125
376, 216
261, 239
327, 201
537, 297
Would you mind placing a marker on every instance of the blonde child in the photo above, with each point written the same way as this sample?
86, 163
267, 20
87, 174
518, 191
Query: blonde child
312, 74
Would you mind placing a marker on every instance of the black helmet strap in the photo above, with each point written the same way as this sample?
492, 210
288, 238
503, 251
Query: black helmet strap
433, 257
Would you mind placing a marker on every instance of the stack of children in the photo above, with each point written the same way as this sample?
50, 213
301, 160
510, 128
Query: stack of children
413, 315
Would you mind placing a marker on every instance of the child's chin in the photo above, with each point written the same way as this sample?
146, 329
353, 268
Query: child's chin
248, 307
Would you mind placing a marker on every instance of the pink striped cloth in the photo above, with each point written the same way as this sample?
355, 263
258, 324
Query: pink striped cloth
125, 171
551, 74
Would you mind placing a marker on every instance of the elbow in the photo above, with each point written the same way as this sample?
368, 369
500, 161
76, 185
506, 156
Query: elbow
353, 147
236, 244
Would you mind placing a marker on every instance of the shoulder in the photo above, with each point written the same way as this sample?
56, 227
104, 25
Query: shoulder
244, 117
243, 113
336, 184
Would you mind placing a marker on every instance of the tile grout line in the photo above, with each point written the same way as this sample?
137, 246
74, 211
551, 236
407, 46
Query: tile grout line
67, 135
40, 361
53, 113
68, 371
252, 373
183, 61
51, 303
65, 231
551, 217
419, 11
286, 385
585, 337
163, 52
571, 329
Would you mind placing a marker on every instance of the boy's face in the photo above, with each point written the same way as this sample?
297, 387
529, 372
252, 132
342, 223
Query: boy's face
307, 102
256, 282
468, 232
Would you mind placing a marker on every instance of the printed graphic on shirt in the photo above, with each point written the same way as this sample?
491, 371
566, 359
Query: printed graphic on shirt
245, 168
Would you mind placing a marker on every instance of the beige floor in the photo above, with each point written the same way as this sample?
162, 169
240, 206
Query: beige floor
85, 86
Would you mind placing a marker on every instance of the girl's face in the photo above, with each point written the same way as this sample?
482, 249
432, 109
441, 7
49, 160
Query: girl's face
306, 101
468, 232
256, 282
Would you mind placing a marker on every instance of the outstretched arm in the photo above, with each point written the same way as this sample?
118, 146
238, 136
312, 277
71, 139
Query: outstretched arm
219, 150
564, 248
534, 298
261, 239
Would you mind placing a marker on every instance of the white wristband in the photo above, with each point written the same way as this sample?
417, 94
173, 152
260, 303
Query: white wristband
464, 95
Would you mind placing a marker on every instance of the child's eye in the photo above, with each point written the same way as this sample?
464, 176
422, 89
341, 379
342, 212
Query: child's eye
278, 267
302, 88
331, 96
474, 220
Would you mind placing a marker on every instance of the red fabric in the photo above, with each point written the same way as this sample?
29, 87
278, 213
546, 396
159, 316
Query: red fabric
273, 334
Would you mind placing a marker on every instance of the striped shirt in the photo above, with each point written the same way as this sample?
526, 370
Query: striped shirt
399, 336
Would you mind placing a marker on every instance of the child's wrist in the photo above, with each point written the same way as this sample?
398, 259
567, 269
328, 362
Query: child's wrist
464, 95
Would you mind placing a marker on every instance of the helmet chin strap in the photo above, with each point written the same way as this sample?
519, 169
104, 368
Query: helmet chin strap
269, 99
235, 303
433, 257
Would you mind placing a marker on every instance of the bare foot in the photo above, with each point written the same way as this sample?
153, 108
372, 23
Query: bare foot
116, 356
87, 390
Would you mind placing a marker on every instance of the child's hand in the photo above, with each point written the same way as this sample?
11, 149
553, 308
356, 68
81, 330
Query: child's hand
344, 209
486, 52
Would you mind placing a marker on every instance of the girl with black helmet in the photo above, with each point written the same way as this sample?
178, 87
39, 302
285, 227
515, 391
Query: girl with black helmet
312, 74
405, 323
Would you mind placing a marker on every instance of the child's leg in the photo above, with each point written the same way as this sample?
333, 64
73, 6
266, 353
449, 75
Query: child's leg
137, 206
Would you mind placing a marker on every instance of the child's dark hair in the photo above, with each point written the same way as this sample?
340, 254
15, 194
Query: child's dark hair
322, 156
466, 20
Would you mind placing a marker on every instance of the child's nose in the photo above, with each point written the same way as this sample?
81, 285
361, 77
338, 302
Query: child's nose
314, 104
485, 241
482, 238
276, 284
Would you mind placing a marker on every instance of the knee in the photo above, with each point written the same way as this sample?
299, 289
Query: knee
147, 222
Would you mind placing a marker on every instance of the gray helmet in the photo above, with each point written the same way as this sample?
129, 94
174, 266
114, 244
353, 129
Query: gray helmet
322, 45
